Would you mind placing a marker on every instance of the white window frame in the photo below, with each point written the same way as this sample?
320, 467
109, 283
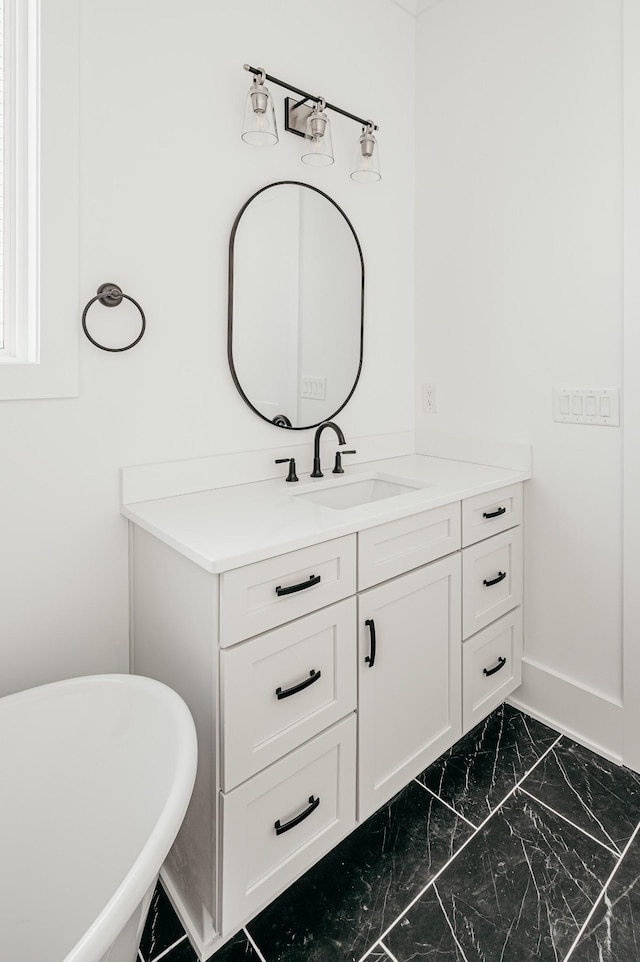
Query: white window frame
21, 181
41, 202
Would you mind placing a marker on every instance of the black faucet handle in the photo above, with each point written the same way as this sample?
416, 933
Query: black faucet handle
292, 476
337, 468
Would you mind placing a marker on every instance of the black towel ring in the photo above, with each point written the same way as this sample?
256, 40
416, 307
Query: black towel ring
111, 295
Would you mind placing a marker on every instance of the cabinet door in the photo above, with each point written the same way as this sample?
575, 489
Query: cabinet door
408, 679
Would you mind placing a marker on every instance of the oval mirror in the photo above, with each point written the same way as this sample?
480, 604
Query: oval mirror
296, 299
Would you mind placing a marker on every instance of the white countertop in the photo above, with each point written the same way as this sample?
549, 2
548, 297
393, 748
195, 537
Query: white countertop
229, 527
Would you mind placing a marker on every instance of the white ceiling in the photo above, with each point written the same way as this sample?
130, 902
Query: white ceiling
408, 5
416, 7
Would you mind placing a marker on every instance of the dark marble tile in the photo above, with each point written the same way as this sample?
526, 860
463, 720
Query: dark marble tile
378, 955
613, 932
184, 952
595, 794
341, 906
426, 934
481, 769
237, 949
162, 927
524, 884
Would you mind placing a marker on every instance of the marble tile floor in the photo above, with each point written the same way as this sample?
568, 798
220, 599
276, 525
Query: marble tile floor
517, 844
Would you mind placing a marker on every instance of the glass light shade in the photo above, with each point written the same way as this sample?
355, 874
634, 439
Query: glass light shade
318, 145
366, 168
259, 126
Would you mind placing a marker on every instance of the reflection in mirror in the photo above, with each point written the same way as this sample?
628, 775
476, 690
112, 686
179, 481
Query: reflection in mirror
296, 291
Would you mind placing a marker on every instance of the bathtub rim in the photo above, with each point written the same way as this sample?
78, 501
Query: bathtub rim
115, 914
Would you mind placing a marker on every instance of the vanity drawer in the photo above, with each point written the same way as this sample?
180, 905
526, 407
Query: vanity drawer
310, 796
398, 546
491, 579
281, 689
491, 667
269, 593
487, 514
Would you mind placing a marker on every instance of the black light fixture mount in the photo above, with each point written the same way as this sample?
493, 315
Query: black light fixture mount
292, 122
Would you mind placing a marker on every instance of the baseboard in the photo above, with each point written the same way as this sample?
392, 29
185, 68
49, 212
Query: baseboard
581, 714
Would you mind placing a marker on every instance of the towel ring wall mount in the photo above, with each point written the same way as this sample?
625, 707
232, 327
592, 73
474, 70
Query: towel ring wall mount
110, 295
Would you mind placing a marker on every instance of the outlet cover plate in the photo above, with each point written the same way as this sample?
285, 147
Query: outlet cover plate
429, 399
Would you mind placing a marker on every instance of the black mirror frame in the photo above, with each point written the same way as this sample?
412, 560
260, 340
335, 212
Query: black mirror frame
276, 422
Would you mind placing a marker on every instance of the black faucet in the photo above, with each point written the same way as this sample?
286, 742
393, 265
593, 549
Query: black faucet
317, 473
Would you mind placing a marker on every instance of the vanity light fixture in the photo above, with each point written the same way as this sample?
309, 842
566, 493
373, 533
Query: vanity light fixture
366, 169
319, 149
307, 118
259, 127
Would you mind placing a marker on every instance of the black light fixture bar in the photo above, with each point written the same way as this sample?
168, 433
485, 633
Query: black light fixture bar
307, 96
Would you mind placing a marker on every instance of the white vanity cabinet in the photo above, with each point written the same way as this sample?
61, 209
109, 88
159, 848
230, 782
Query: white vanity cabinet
321, 678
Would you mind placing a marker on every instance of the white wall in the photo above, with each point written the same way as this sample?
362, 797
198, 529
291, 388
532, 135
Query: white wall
518, 209
519, 268
163, 174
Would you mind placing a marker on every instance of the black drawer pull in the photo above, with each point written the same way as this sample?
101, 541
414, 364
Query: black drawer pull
501, 576
313, 804
491, 671
371, 658
313, 580
494, 514
313, 676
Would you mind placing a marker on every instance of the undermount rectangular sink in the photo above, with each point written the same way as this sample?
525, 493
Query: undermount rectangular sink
350, 494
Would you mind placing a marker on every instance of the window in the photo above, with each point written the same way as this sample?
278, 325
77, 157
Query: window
39, 217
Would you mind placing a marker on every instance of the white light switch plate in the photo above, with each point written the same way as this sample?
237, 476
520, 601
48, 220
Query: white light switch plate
314, 388
586, 405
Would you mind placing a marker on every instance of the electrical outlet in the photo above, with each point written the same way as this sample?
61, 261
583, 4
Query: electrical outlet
429, 400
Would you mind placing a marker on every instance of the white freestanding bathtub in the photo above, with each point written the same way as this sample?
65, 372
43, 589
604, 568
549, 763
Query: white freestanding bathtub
95, 777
